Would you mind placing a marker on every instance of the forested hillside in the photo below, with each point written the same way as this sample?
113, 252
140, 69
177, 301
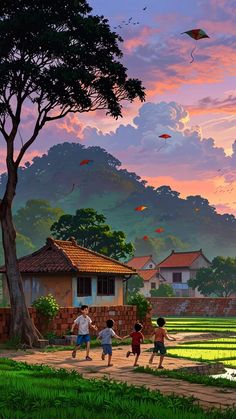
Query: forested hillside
58, 177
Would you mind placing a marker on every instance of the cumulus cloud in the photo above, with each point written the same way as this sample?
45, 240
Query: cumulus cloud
186, 155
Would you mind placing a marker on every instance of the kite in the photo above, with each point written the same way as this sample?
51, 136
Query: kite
165, 136
145, 237
140, 208
159, 230
196, 34
84, 162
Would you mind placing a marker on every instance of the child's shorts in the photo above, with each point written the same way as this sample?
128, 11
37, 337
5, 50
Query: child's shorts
159, 347
82, 339
136, 349
107, 349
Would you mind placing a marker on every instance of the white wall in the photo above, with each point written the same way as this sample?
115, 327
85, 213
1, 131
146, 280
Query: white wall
147, 286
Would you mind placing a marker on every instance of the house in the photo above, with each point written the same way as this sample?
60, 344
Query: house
146, 269
73, 274
179, 267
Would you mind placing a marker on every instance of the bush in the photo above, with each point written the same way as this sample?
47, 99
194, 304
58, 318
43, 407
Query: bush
47, 306
164, 290
142, 304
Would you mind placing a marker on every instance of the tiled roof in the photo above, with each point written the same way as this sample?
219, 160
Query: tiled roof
67, 256
148, 274
139, 262
181, 259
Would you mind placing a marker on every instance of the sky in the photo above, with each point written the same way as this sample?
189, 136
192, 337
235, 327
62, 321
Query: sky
194, 102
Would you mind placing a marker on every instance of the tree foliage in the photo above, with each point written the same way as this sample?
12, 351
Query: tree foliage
35, 220
90, 230
134, 284
218, 280
164, 290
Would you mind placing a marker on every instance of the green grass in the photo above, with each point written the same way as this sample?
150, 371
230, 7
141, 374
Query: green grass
186, 376
37, 391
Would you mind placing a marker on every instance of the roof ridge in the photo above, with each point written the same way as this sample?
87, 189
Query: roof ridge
188, 251
51, 242
145, 256
95, 253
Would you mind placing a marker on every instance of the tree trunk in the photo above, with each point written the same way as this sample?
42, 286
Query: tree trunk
21, 326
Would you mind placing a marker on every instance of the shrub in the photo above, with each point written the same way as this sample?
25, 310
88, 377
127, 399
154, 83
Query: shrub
47, 306
142, 304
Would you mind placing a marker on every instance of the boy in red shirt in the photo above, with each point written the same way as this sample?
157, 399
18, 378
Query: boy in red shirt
159, 335
137, 338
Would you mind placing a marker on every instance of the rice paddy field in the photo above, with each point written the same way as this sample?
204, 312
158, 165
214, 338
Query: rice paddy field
200, 324
217, 350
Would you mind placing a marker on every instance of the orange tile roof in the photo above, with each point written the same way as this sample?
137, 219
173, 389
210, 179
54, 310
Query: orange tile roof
67, 256
148, 274
138, 262
181, 259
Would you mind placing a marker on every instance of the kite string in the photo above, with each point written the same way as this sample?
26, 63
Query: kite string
193, 52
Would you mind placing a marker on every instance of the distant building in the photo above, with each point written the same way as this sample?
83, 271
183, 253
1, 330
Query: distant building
146, 269
179, 267
73, 274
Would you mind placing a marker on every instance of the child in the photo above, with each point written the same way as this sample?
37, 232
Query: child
137, 338
83, 322
105, 335
160, 334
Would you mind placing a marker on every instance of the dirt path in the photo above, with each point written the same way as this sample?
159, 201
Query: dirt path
122, 370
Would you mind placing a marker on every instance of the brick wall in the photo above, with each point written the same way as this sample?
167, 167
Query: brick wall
178, 306
124, 317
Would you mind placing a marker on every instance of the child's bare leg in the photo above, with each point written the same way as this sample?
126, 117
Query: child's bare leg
74, 350
161, 360
136, 360
151, 358
87, 348
109, 361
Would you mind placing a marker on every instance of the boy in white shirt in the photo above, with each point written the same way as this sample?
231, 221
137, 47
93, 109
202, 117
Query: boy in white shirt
83, 322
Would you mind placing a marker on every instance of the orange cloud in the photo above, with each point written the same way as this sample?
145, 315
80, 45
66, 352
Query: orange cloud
141, 39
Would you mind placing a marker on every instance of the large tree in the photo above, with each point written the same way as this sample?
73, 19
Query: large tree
57, 58
218, 280
90, 230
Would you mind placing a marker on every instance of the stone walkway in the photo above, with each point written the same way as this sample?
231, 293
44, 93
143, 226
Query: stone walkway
122, 370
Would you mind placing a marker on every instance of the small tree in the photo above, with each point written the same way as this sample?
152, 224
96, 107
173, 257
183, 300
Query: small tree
218, 280
164, 290
134, 284
142, 304
59, 58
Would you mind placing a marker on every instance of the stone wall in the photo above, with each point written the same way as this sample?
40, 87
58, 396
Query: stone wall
124, 317
191, 307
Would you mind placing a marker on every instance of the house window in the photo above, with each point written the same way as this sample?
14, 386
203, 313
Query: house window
150, 266
106, 285
83, 286
177, 277
153, 285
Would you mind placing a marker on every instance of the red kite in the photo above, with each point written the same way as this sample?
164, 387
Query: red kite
141, 208
165, 136
145, 237
84, 162
196, 34
159, 230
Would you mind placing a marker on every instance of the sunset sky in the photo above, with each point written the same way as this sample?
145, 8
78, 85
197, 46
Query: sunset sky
195, 102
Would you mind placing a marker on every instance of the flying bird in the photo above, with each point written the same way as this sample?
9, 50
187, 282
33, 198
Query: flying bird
140, 208
195, 34
145, 8
84, 162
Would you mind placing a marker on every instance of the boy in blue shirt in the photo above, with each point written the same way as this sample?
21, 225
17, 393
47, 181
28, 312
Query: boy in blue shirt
106, 335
